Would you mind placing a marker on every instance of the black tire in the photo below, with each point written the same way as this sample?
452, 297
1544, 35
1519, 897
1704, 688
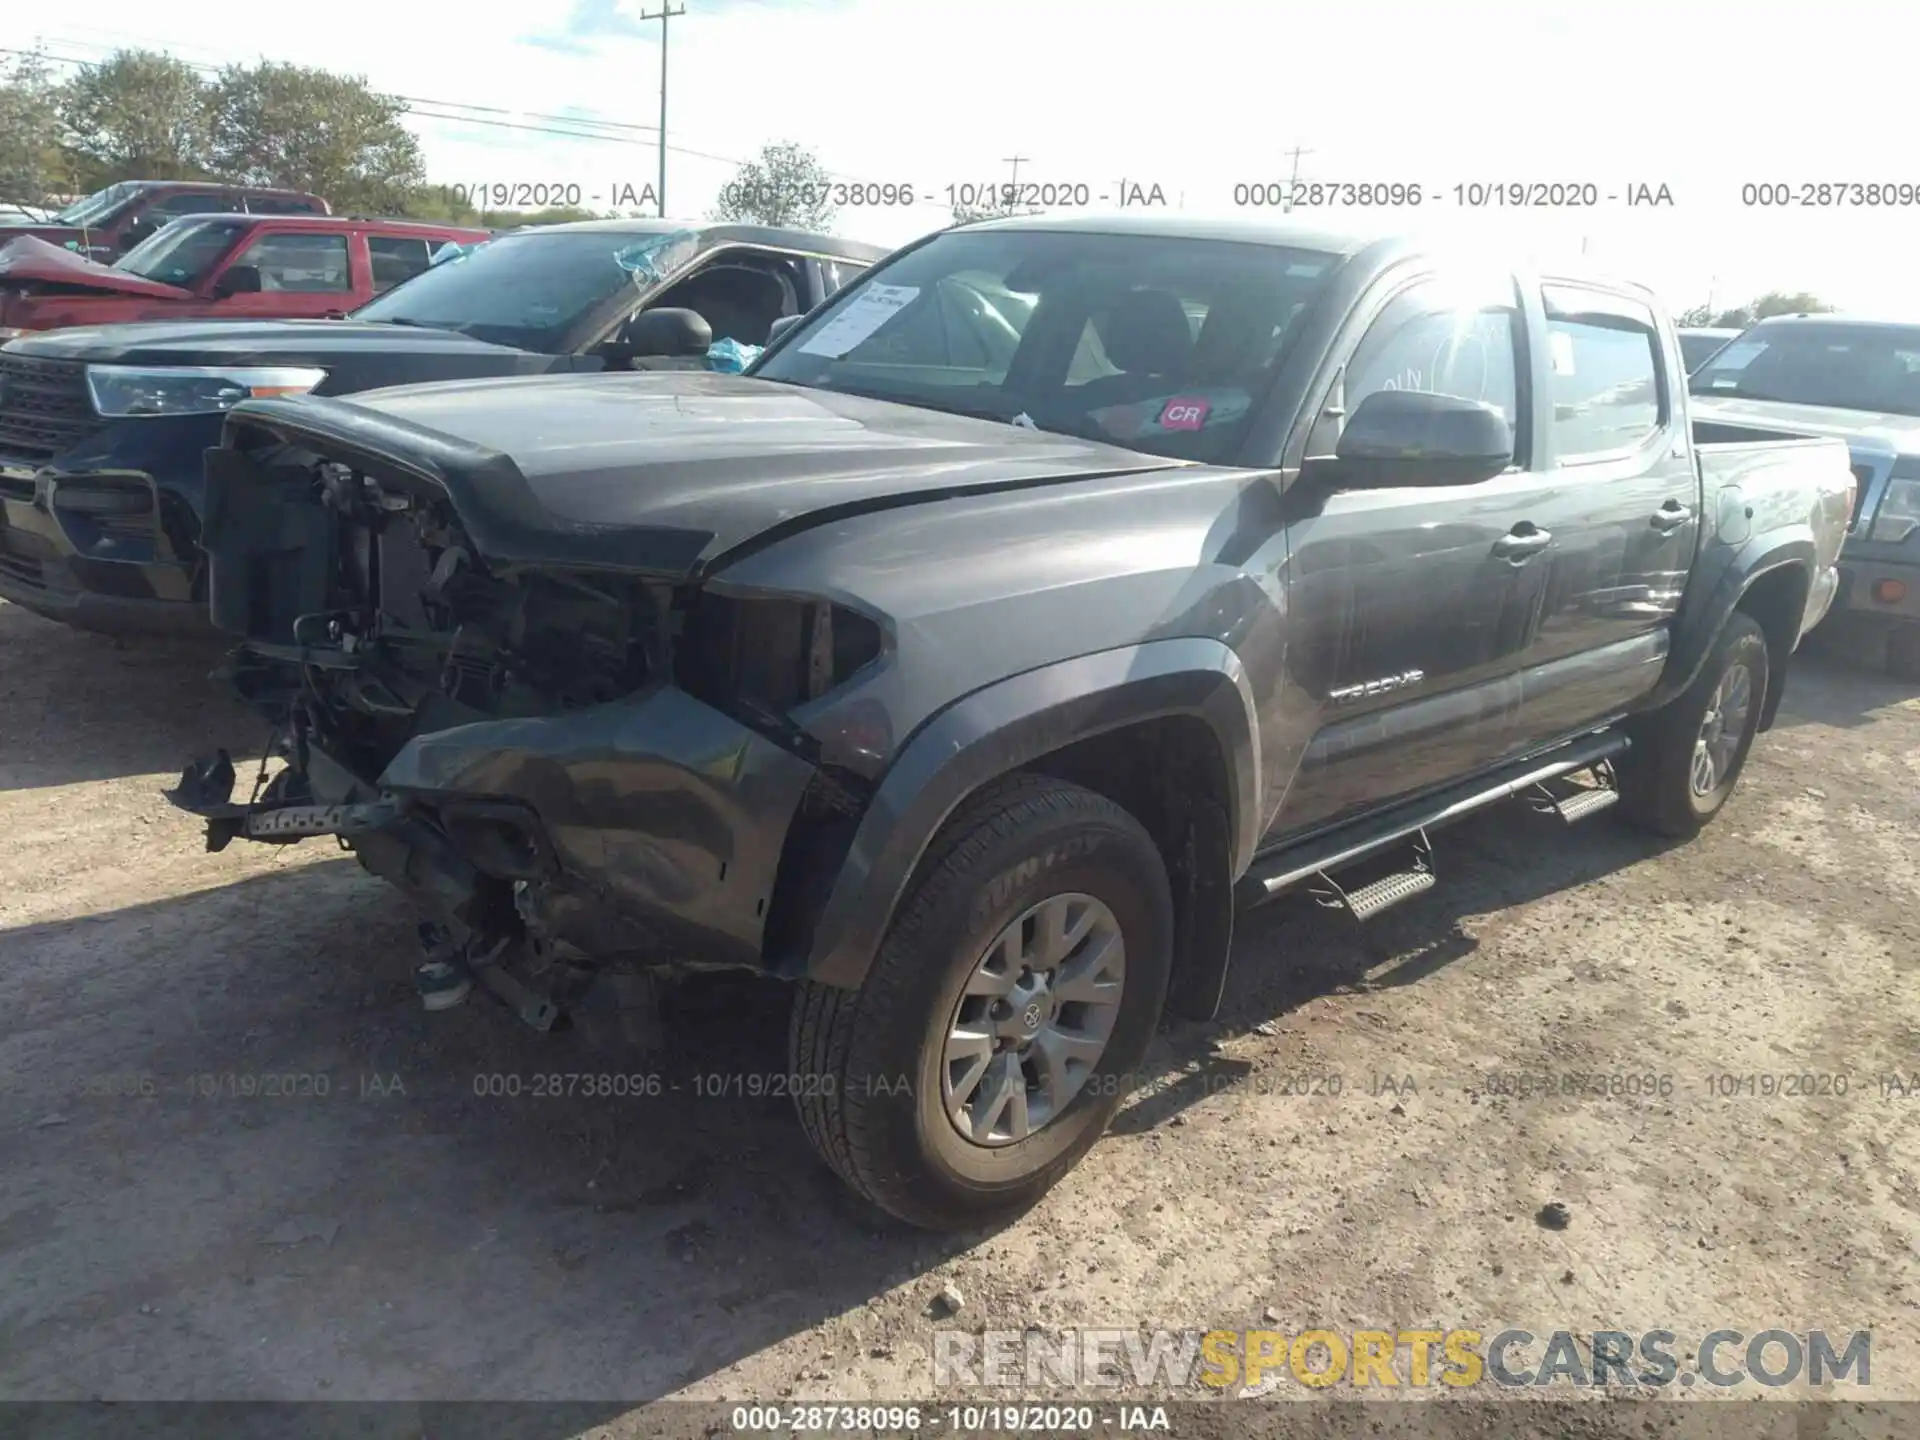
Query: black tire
867, 1061
1656, 776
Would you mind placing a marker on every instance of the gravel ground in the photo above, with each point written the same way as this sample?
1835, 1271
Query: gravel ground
379, 1230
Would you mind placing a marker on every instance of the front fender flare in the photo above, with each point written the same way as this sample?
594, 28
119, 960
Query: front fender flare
1012, 723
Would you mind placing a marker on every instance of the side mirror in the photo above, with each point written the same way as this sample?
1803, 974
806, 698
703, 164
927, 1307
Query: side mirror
1403, 438
239, 280
667, 332
781, 327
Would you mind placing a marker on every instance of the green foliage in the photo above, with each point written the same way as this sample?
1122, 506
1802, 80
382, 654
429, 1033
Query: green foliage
31, 164
784, 185
140, 115
1774, 302
308, 129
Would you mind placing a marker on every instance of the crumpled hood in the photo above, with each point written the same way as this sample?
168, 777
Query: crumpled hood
666, 472
31, 258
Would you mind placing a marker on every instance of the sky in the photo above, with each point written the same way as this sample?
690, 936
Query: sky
1198, 98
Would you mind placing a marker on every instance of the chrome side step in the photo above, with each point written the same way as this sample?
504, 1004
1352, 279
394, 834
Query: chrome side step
1317, 858
1583, 801
1389, 890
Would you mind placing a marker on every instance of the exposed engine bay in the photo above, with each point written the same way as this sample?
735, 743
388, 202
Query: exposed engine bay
579, 772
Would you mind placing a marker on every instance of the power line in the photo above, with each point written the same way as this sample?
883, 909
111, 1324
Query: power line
667, 12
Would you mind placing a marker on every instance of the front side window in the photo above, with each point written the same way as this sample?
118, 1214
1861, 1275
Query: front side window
181, 253
98, 207
194, 202
1604, 366
1160, 343
1424, 342
305, 264
1849, 366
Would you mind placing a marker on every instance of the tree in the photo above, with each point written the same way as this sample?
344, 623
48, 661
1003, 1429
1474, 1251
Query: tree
784, 185
30, 159
140, 115
1700, 317
308, 129
1774, 302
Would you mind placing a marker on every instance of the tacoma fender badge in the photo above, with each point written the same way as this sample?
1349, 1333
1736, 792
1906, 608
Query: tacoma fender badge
1347, 694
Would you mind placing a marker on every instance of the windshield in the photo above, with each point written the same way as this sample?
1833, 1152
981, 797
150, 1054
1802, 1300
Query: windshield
1158, 343
1699, 345
180, 253
1848, 367
97, 206
530, 290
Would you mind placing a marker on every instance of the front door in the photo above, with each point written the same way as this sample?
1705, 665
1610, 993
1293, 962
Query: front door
303, 275
1412, 610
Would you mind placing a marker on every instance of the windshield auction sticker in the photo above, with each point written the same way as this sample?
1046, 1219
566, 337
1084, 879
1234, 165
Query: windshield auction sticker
865, 313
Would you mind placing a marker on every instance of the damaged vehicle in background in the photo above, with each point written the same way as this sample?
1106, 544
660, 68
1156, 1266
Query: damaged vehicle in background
108, 223
969, 689
103, 429
220, 266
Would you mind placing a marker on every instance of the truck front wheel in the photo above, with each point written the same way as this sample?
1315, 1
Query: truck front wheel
1687, 756
1005, 1016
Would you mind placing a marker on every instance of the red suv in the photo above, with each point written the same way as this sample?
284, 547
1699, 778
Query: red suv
229, 266
110, 222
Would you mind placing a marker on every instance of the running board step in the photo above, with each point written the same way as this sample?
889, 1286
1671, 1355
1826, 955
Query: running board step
1309, 861
1370, 899
1583, 801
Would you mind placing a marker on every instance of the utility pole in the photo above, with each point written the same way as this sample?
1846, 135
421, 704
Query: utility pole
1294, 179
667, 12
1013, 189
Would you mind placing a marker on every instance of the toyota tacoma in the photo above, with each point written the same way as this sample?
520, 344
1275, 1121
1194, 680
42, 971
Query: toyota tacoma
1060, 586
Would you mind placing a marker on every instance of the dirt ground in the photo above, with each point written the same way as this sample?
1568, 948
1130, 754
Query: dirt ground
400, 1236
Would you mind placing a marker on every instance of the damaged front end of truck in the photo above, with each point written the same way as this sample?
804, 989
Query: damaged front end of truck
572, 753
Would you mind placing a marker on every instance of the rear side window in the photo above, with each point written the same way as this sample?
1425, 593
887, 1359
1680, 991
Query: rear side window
1603, 356
281, 205
395, 258
194, 202
289, 260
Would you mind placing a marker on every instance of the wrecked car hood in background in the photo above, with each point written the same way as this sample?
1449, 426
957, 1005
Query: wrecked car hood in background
664, 473
30, 258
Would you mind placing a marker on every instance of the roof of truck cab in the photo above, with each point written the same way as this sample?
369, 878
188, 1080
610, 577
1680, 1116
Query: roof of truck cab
776, 236
1829, 317
216, 185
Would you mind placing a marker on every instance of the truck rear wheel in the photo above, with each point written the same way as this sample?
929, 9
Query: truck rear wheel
1688, 755
1005, 1016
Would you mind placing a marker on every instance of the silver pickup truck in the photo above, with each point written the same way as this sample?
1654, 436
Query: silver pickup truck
1858, 381
969, 687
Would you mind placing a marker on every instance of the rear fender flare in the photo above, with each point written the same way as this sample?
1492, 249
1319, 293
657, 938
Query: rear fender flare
1700, 626
999, 729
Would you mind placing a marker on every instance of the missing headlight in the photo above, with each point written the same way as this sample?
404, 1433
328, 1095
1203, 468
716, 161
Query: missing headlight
773, 653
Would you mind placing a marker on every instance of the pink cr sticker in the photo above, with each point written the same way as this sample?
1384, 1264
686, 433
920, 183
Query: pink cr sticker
1184, 412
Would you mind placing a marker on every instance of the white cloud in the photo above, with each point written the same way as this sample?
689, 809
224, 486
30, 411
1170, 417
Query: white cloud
1701, 97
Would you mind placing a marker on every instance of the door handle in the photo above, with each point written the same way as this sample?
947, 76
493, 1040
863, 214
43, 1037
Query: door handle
1671, 516
1522, 542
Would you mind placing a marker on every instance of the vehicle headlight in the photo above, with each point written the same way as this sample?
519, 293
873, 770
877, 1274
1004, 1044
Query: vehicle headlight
1899, 513
133, 390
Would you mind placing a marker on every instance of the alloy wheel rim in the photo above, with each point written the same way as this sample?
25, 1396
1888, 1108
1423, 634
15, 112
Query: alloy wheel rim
1721, 729
1033, 1021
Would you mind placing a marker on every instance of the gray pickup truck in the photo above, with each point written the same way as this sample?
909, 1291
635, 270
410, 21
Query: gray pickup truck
1056, 588
1858, 380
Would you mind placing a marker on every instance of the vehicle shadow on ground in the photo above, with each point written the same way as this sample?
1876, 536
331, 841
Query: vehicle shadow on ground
86, 706
417, 1208
1828, 686
1293, 950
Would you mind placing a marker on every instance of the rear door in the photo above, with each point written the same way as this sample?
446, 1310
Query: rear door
1622, 512
1413, 609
